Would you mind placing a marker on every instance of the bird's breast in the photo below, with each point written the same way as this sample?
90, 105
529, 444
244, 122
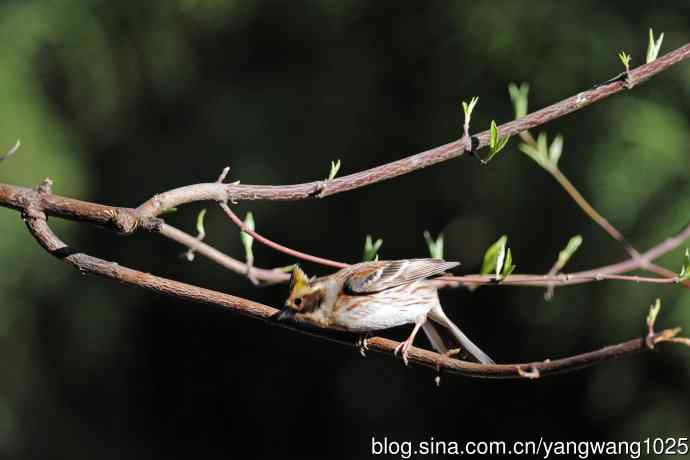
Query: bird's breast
385, 309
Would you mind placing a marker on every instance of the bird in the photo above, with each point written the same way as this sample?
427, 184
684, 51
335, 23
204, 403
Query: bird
377, 295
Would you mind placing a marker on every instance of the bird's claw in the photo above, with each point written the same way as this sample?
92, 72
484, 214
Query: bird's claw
362, 346
402, 349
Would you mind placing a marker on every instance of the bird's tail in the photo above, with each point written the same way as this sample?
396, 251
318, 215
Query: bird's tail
450, 336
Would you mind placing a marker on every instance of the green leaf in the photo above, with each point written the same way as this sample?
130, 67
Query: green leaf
201, 233
542, 144
508, 266
468, 108
534, 152
335, 167
435, 246
496, 143
168, 211
685, 270
371, 249
247, 239
502, 142
492, 256
567, 252
653, 313
653, 47
200, 223
544, 155
519, 96
531, 151
498, 259
625, 59
493, 134
555, 150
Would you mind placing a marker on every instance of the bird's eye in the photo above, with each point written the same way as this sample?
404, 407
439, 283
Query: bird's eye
298, 301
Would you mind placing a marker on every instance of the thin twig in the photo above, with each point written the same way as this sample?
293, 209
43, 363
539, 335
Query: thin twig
222, 259
548, 295
600, 220
574, 193
516, 280
11, 151
200, 236
278, 247
546, 280
593, 214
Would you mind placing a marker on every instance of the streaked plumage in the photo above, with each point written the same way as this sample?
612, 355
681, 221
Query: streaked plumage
371, 296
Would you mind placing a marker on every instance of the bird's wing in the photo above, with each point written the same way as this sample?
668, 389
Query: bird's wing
378, 276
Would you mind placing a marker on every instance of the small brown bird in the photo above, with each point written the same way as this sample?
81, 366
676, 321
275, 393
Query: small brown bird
371, 296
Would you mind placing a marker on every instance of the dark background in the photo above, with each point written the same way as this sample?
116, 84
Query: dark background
116, 101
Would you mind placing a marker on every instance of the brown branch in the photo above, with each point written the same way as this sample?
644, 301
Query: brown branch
599, 219
592, 213
222, 259
607, 272
122, 220
278, 247
547, 280
585, 276
128, 220
37, 224
604, 223
318, 189
563, 279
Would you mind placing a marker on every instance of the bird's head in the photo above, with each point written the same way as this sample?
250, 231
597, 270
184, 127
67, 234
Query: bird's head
304, 295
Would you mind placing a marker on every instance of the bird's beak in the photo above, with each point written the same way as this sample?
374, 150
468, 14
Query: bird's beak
282, 315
